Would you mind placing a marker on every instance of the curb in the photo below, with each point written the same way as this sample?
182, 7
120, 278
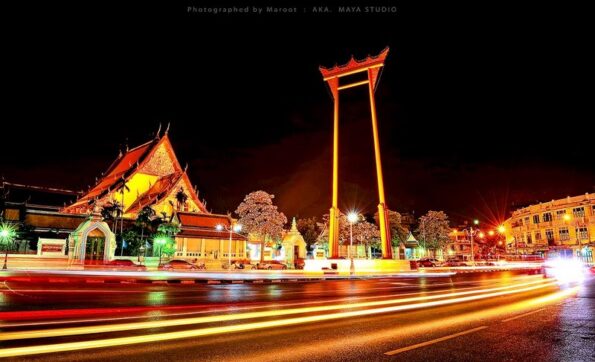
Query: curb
179, 281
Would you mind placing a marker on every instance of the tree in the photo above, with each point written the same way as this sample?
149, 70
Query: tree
259, 216
181, 199
364, 232
8, 233
343, 228
397, 231
27, 238
133, 241
433, 230
168, 228
112, 212
143, 220
309, 229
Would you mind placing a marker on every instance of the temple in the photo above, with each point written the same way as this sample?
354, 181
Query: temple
69, 224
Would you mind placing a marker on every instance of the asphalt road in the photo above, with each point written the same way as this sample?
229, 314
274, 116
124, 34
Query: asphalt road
488, 317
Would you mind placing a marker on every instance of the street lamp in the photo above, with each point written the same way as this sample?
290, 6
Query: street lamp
471, 232
7, 233
234, 227
352, 217
141, 251
161, 240
501, 231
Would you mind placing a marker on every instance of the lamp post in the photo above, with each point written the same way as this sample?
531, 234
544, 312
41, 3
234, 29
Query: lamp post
141, 251
160, 241
233, 227
471, 232
352, 217
501, 231
7, 233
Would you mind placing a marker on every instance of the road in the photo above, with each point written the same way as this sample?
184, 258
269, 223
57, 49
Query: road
484, 316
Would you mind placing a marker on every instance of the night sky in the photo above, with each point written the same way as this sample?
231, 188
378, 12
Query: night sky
481, 106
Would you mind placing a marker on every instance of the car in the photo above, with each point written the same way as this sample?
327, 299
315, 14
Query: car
565, 269
124, 264
271, 264
177, 264
427, 262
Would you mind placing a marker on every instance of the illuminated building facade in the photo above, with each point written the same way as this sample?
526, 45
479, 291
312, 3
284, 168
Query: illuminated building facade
69, 224
563, 226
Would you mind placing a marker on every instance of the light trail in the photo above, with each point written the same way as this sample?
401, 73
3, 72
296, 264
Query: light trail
390, 334
485, 293
231, 308
214, 275
160, 337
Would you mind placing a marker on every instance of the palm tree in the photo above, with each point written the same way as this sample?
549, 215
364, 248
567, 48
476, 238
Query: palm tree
144, 219
123, 189
112, 211
181, 198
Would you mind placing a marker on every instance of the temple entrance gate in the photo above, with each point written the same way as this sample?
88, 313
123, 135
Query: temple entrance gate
92, 241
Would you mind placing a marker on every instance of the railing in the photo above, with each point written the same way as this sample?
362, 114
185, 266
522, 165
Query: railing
531, 258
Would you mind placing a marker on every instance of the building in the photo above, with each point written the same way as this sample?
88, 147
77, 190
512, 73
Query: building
563, 226
199, 238
410, 249
459, 246
39, 209
69, 224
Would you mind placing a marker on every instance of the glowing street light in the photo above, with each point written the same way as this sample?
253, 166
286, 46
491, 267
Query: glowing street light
471, 232
501, 229
234, 227
566, 217
491, 233
160, 240
7, 234
352, 217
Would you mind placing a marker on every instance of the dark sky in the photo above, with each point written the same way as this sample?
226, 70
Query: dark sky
481, 104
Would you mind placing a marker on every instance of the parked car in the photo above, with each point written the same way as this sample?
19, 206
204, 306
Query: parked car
271, 265
178, 265
124, 264
427, 262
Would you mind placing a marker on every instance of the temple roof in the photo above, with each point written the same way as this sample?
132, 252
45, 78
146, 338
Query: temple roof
125, 166
117, 173
53, 220
195, 225
411, 242
36, 196
158, 191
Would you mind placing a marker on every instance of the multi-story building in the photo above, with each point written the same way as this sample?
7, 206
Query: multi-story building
563, 226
